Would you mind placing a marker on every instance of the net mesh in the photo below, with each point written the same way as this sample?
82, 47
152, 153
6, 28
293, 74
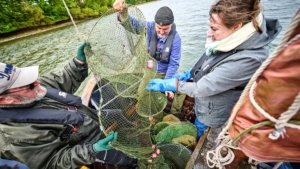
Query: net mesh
118, 60
172, 156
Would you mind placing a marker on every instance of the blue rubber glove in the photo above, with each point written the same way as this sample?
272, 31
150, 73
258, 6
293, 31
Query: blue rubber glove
103, 144
80, 51
186, 75
163, 85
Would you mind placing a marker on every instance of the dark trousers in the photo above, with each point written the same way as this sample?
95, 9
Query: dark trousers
116, 157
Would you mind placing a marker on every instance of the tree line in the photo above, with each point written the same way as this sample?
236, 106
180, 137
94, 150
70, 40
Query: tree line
20, 14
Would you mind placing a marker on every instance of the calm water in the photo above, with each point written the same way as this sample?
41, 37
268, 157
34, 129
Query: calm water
52, 50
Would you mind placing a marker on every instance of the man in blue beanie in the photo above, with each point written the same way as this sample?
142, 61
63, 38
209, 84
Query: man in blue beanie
164, 42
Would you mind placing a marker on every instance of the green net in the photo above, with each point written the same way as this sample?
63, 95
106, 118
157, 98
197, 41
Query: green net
120, 63
172, 156
166, 133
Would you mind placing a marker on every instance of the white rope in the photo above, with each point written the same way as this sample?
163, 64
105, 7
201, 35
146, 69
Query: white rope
283, 119
277, 165
77, 31
215, 157
293, 109
286, 116
279, 48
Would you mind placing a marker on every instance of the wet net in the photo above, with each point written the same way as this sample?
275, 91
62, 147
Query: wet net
122, 67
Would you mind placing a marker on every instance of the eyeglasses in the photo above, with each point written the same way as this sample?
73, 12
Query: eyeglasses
31, 87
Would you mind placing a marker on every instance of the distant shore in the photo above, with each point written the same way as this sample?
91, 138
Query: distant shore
6, 37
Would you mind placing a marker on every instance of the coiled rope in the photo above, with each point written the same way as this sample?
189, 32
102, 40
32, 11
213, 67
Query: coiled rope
220, 159
224, 139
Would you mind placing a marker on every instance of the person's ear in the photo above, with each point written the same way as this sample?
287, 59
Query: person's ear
238, 26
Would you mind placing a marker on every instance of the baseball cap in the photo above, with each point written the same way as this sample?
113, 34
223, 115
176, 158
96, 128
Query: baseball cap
13, 77
164, 16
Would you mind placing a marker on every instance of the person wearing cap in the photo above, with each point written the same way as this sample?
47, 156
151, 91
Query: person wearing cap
164, 42
43, 125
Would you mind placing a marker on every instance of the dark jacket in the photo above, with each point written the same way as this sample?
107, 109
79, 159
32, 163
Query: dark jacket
39, 144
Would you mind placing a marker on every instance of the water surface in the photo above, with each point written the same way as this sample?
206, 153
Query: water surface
53, 49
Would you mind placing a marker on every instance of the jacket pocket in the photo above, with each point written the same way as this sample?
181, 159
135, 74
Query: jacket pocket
201, 107
36, 134
214, 111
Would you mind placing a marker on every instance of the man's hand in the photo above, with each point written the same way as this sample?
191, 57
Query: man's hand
119, 5
80, 52
163, 85
186, 75
103, 144
122, 8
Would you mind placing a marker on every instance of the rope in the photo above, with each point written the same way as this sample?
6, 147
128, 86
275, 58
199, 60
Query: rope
282, 120
287, 115
77, 31
277, 165
215, 158
222, 155
293, 109
279, 48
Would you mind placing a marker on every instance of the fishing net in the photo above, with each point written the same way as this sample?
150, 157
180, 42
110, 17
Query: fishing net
122, 67
171, 156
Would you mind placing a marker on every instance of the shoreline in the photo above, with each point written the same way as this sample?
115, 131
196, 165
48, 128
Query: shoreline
6, 37
34, 31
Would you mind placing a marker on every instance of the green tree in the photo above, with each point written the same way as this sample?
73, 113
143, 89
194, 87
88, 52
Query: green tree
19, 14
53, 9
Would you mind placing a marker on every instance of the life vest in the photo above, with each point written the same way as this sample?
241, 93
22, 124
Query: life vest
44, 115
163, 57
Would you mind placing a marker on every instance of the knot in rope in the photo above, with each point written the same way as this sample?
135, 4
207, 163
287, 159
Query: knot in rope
222, 155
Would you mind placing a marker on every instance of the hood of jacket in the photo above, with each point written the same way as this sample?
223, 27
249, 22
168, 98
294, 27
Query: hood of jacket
270, 28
